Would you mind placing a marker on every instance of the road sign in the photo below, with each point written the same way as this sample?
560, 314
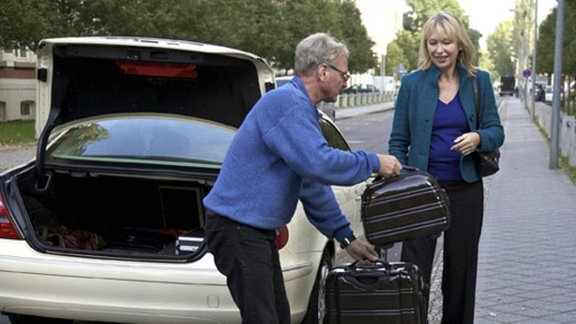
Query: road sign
526, 73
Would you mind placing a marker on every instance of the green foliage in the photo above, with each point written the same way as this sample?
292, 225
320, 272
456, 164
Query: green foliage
547, 39
409, 42
395, 55
355, 35
15, 132
269, 28
500, 50
404, 49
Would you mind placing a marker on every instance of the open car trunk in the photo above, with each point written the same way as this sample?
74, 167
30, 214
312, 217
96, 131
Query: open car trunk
116, 216
105, 203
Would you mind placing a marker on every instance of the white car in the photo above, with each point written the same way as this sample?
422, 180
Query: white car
105, 224
549, 94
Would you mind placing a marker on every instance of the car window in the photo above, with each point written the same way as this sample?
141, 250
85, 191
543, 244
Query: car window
333, 135
280, 81
155, 140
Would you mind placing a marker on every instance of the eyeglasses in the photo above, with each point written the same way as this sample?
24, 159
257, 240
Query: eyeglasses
345, 75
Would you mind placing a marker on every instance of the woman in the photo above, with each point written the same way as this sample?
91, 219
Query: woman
435, 130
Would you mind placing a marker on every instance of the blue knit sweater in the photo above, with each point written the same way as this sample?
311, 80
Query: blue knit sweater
279, 156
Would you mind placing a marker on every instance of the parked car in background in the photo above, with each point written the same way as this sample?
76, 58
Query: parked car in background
351, 89
329, 108
549, 94
361, 88
367, 88
106, 223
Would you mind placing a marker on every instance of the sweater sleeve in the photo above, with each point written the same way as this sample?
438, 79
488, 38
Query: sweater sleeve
323, 211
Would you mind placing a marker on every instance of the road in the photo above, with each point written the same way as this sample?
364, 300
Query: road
11, 156
370, 133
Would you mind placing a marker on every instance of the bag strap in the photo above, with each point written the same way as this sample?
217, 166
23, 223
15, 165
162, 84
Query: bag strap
476, 101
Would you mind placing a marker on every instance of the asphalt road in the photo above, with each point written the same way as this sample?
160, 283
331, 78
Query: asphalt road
14, 155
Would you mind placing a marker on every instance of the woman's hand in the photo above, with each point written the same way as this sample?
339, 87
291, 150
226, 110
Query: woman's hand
466, 143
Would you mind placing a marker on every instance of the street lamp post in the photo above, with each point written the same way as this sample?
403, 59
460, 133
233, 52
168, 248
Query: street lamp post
525, 53
558, 49
523, 58
534, 61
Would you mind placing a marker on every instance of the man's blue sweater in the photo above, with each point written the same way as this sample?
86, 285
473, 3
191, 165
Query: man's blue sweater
279, 156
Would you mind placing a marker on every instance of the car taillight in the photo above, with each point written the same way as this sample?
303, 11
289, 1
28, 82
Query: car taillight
7, 229
281, 237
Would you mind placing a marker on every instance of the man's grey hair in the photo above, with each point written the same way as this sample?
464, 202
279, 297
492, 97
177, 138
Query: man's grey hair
317, 49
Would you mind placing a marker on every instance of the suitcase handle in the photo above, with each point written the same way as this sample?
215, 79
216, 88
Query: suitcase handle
379, 263
362, 278
409, 168
405, 167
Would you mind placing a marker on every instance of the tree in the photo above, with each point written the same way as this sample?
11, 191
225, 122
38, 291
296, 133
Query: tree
394, 55
500, 49
409, 40
355, 35
269, 28
547, 37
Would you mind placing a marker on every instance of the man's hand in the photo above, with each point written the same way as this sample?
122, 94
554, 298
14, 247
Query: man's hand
361, 251
389, 166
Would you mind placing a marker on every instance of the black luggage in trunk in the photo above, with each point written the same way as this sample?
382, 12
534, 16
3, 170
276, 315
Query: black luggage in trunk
383, 293
404, 207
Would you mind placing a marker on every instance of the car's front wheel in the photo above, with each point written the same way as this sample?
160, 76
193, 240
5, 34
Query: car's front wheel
317, 303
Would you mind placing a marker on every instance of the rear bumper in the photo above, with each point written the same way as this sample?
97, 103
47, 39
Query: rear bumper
120, 291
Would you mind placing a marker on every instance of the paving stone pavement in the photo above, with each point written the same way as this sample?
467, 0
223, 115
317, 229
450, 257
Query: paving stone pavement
527, 259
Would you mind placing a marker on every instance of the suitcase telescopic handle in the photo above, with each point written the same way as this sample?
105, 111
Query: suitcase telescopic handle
367, 278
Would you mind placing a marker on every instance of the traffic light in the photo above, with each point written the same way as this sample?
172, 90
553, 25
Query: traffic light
408, 20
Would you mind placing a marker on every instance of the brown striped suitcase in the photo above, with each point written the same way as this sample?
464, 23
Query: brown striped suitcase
404, 207
388, 292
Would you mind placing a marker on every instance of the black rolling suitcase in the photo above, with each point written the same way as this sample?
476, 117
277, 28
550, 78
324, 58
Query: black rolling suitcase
384, 293
403, 207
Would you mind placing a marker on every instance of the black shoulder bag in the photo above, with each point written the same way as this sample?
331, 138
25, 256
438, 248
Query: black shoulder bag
486, 162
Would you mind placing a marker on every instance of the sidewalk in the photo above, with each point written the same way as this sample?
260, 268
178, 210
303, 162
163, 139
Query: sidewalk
348, 112
527, 259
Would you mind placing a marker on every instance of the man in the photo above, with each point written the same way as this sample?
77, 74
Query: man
278, 157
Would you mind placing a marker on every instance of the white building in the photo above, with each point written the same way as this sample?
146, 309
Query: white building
17, 84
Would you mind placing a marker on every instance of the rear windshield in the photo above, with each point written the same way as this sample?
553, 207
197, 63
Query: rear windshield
150, 140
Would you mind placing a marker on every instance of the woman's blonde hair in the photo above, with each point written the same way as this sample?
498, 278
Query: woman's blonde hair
448, 24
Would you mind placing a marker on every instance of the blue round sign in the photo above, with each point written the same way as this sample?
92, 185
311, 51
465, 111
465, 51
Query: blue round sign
526, 73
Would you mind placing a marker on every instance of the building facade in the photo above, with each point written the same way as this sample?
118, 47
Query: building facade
17, 84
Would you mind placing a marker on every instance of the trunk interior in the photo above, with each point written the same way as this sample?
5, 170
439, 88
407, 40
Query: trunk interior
118, 216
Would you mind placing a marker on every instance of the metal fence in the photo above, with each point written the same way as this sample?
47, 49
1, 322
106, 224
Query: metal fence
566, 131
361, 99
